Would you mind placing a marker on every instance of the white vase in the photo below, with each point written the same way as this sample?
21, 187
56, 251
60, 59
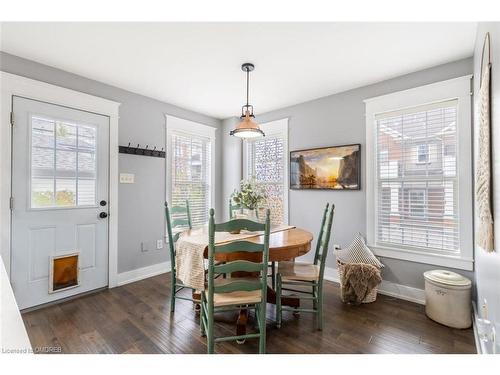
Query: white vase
247, 213
250, 214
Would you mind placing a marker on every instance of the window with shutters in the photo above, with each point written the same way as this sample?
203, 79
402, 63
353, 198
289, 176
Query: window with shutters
190, 148
266, 159
420, 198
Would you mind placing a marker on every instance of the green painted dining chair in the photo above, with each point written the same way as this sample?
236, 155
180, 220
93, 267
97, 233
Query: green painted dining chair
239, 292
294, 274
236, 207
178, 219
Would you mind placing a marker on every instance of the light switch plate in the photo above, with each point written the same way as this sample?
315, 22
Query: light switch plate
159, 244
127, 178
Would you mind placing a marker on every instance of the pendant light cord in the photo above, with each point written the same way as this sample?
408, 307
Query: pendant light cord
248, 84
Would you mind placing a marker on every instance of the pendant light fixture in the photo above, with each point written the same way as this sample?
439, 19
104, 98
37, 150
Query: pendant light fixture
247, 128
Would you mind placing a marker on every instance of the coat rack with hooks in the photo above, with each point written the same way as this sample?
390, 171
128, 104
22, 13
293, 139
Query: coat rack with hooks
141, 151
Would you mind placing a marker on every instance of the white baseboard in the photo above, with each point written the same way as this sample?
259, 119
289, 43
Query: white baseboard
387, 288
331, 274
143, 273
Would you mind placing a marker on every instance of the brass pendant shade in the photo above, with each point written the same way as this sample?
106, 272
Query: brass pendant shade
247, 128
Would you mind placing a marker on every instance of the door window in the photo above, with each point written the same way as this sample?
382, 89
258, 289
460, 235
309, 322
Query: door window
63, 163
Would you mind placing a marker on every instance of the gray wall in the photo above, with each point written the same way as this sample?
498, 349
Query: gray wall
142, 120
487, 265
232, 163
335, 120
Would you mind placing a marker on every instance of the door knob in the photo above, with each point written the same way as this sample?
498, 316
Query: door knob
103, 215
102, 203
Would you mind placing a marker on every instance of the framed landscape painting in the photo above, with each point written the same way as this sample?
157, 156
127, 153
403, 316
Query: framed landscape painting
332, 168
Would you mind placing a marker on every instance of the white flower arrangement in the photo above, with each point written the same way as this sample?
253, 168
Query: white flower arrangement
250, 195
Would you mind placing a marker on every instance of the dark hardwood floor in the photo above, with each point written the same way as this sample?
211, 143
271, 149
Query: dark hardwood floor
135, 318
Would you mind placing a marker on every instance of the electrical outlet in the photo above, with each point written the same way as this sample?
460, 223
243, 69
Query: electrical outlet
127, 178
159, 244
484, 309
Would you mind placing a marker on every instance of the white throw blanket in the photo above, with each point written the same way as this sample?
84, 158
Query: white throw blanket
189, 249
484, 237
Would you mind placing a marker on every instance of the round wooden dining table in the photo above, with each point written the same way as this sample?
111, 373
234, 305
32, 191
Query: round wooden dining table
283, 245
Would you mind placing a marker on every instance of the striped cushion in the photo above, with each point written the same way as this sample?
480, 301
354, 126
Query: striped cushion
358, 252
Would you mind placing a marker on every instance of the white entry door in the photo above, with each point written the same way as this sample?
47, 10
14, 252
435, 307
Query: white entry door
60, 173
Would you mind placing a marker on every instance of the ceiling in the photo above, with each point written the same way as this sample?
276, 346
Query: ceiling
197, 65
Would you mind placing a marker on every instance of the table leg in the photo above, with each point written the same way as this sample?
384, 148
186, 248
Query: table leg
241, 324
196, 301
285, 301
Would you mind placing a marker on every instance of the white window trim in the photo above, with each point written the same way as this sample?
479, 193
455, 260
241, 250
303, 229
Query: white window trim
189, 127
457, 88
274, 128
14, 85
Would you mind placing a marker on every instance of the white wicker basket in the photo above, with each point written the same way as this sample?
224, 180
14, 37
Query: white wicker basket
370, 297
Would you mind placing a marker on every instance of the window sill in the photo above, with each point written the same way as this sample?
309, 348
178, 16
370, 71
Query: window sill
420, 257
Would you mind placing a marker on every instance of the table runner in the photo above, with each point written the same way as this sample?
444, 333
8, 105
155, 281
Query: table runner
190, 246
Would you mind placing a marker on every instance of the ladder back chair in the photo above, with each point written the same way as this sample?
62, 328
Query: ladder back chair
239, 208
294, 274
238, 292
178, 219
